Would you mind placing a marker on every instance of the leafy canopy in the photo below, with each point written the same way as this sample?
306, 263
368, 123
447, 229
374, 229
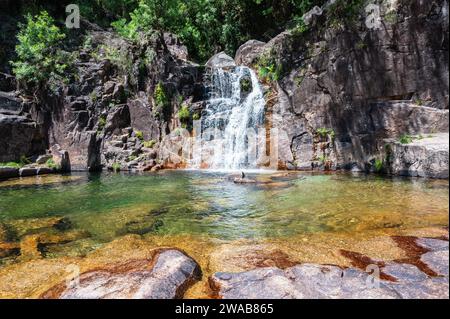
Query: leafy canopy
39, 58
208, 26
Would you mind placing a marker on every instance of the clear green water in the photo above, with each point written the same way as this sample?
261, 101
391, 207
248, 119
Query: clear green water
205, 203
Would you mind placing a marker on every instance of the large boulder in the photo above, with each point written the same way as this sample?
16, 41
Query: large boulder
249, 52
20, 136
221, 61
167, 276
8, 172
427, 157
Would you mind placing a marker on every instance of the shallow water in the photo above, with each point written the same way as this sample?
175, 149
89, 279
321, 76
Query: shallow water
210, 204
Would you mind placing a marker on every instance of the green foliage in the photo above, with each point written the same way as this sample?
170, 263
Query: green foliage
419, 102
268, 68
93, 96
344, 12
208, 26
184, 114
162, 102
149, 144
11, 164
24, 160
40, 61
196, 116
246, 85
101, 123
406, 139
21, 163
379, 165
51, 164
116, 167
323, 158
119, 58
326, 132
300, 27
391, 17
139, 135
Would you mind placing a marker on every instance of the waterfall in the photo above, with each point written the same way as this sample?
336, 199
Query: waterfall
232, 121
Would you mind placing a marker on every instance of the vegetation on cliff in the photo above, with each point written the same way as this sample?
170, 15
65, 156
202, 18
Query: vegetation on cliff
39, 58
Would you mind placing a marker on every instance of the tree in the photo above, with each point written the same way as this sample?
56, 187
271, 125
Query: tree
39, 57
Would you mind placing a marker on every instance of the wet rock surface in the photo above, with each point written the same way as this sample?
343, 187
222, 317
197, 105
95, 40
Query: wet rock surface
312, 281
166, 276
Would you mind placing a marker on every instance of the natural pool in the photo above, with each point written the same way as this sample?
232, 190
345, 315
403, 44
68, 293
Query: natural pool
199, 203
283, 219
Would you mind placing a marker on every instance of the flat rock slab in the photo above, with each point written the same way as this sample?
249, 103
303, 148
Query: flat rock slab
310, 281
433, 244
404, 272
166, 276
431, 288
306, 281
437, 261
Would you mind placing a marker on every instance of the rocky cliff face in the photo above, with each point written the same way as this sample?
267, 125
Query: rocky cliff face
340, 97
345, 90
109, 115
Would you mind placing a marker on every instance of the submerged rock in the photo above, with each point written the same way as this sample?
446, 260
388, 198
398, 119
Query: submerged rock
166, 276
141, 227
244, 181
22, 227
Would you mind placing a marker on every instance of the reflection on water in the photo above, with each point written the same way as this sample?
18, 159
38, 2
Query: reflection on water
208, 203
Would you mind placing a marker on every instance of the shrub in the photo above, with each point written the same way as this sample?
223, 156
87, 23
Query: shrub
139, 135
51, 164
101, 123
40, 61
378, 165
268, 68
406, 139
196, 117
161, 102
149, 144
326, 132
116, 167
184, 114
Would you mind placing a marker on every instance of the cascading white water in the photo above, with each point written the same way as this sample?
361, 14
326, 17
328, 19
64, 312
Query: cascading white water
231, 121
